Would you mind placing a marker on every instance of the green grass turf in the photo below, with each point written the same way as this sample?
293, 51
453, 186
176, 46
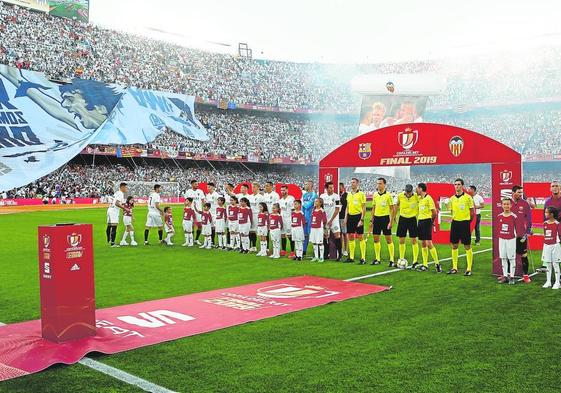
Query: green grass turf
430, 333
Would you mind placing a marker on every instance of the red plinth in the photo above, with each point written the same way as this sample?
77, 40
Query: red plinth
66, 277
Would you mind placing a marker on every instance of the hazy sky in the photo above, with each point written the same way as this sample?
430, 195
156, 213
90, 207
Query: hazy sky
341, 30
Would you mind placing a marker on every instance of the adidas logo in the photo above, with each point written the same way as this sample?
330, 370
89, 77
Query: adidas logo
75, 267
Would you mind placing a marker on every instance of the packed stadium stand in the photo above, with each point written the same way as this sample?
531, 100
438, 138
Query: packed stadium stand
269, 113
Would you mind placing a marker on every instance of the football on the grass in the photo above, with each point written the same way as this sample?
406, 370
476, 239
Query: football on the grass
402, 263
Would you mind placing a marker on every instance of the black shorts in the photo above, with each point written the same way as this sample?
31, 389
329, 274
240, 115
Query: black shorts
407, 224
352, 224
424, 229
460, 232
380, 225
521, 247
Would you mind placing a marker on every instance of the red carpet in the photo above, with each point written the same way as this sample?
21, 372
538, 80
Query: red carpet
122, 328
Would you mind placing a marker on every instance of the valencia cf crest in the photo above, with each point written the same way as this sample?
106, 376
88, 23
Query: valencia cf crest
287, 291
456, 145
46, 241
365, 150
74, 239
408, 138
390, 87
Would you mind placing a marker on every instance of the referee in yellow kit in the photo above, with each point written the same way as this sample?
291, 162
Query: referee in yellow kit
408, 207
354, 221
462, 207
383, 214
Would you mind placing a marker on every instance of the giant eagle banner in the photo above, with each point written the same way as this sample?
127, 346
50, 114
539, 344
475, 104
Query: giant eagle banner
43, 125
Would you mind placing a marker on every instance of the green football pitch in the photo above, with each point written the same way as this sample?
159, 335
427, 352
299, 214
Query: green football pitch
430, 333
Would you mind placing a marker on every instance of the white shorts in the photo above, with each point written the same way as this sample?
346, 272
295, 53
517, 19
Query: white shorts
287, 225
507, 248
254, 223
127, 220
154, 219
233, 226
169, 230
275, 234
335, 227
343, 227
244, 228
262, 231
206, 230
219, 226
112, 215
316, 235
551, 253
297, 234
187, 226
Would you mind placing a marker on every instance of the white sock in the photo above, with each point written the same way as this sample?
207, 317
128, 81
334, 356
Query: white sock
219, 240
548, 273
316, 251
504, 263
321, 250
224, 240
245, 243
299, 248
168, 237
131, 234
232, 241
557, 272
263, 248
512, 264
125, 235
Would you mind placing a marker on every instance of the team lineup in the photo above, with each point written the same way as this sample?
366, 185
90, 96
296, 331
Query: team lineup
276, 225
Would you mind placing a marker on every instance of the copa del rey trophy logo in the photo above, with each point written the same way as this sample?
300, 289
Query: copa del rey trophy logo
328, 177
506, 176
74, 239
408, 138
287, 291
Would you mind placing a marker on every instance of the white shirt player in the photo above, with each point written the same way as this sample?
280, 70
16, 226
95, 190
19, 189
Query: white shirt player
269, 198
330, 203
198, 197
286, 206
152, 200
254, 201
117, 197
212, 198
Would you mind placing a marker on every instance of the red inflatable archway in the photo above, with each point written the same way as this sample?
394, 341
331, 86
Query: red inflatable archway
430, 144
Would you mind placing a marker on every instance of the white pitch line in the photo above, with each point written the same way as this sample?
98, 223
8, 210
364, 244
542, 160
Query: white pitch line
121, 375
400, 270
124, 376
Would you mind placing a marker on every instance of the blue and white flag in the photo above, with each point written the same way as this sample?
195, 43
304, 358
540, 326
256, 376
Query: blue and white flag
43, 125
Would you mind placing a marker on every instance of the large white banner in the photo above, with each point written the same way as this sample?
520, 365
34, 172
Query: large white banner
43, 125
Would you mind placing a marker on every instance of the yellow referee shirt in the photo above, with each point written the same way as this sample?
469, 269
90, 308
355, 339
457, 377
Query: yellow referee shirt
426, 206
355, 202
382, 204
408, 207
461, 207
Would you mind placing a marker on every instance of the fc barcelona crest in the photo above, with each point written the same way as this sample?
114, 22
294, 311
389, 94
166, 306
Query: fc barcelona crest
74, 239
408, 138
286, 291
46, 241
506, 176
365, 150
456, 145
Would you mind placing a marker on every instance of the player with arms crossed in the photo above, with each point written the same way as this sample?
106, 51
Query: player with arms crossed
332, 206
463, 211
155, 213
113, 213
383, 214
425, 222
507, 241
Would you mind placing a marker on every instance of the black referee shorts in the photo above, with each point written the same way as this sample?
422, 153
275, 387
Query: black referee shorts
352, 224
521, 247
424, 229
380, 225
407, 224
460, 232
